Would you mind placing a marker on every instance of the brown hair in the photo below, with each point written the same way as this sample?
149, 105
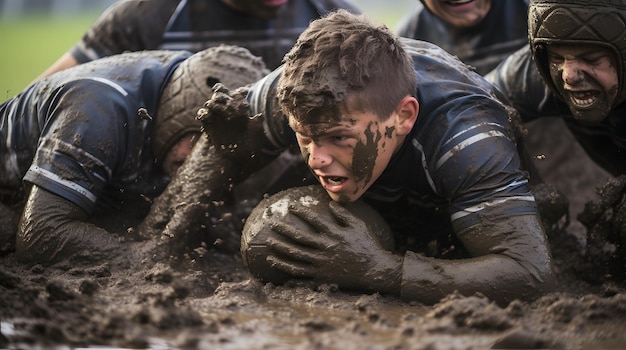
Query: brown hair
344, 62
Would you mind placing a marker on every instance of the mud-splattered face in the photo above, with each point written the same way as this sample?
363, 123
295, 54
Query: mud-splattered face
586, 77
349, 154
177, 155
460, 13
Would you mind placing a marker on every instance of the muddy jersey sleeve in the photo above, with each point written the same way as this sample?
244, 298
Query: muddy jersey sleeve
263, 102
519, 80
468, 153
129, 25
467, 146
84, 145
493, 214
478, 169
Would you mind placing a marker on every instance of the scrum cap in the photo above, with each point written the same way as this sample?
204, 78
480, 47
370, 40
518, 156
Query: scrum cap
598, 22
190, 85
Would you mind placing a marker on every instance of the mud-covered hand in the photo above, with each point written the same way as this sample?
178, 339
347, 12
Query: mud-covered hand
335, 248
228, 125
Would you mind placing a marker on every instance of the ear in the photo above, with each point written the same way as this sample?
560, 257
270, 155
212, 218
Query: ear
406, 115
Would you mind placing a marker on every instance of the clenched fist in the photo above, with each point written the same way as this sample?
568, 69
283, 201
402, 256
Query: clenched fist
228, 125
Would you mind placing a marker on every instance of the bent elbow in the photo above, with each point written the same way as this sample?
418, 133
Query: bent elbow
540, 276
26, 243
546, 278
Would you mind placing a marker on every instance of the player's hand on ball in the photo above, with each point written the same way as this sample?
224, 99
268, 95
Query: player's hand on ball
300, 233
333, 248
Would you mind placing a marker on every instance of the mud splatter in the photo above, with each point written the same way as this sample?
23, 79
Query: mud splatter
208, 300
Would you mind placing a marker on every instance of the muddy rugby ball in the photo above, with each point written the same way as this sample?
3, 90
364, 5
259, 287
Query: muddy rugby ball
257, 230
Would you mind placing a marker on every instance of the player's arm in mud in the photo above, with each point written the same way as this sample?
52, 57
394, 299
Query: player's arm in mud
493, 215
510, 258
338, 249
196, 191
53, 229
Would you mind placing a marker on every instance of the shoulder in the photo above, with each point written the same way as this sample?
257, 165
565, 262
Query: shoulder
518, 63
419, 50
134, 63
518, 78
144, 11
440, 71
324, 6
452, 96
140, 7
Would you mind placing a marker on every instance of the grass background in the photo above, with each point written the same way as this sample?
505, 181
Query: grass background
31, 43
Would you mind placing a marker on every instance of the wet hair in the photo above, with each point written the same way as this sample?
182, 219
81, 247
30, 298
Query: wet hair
343, 62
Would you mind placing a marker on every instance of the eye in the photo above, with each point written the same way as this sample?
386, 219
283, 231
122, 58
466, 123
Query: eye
592, 60
554, 58
303, 140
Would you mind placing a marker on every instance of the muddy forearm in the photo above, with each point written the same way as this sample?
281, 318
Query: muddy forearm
512, 263
201, 184
198, 180
495, 276
52, 229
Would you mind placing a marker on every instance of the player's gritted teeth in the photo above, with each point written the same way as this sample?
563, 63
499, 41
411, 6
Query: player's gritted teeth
583, 99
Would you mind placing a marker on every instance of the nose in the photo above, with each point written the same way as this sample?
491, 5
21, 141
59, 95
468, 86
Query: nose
571, 72
318, 157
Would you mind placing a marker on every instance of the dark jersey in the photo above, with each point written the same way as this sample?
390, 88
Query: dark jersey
502, 32
460, 164
194, 25
519, 79
78, 135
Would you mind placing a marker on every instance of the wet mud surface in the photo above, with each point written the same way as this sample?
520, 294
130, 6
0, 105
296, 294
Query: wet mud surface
207, 299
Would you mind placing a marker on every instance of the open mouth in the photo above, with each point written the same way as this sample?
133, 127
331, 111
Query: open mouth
583, 99
458, 2
333, 180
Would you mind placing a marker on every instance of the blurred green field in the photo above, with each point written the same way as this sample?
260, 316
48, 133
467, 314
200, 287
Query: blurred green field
30, 44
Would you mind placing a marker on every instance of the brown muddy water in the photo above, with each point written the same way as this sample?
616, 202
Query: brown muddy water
207, 300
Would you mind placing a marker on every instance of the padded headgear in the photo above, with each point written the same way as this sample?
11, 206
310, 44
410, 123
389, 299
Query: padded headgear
190, 85
581, 22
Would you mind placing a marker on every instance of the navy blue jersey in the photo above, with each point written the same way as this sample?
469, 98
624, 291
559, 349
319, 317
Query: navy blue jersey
78, 135
501, 32
460, 164
194, 25
604, 142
